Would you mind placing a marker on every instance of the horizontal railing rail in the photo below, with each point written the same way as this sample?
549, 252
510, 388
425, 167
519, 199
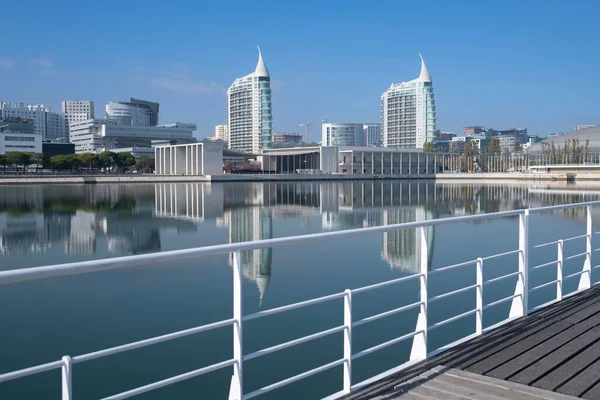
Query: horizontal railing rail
419, 350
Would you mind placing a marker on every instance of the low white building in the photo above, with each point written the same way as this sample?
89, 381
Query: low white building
97, 135
189, 159
21, 142
351, 160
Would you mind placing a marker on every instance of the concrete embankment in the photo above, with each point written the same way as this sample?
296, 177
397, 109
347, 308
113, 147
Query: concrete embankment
150, 178
30, 180
515, 176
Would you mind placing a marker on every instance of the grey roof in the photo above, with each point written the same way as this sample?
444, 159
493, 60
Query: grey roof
591, 134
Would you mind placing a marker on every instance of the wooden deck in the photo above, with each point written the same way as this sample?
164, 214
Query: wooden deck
556, 349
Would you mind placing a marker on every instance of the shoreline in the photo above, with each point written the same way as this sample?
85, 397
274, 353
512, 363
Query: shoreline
150, 178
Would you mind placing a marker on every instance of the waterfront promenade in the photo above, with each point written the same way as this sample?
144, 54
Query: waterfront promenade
151, 178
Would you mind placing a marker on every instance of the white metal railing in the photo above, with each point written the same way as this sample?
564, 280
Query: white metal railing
419, 351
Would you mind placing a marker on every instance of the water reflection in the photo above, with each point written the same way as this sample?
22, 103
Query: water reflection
133, 219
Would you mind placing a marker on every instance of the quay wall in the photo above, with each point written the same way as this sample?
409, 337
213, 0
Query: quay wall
151, 178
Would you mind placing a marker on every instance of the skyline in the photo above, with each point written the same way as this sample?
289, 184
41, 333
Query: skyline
509, 65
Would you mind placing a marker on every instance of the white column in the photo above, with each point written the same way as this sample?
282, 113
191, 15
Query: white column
347, 341
519, 306
585, 281
67, 392
236, 388
372, 163
187, 160
419, 346
362, 160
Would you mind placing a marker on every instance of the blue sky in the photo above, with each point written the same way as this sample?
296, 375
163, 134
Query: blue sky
527, 63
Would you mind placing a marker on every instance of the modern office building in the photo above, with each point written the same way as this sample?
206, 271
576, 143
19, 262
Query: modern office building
221, 132
16, 125
77, 110
48, 124
408, 112
150, 105
249, 111
294, 138
128, 114
342, 134
97, 135
372, 134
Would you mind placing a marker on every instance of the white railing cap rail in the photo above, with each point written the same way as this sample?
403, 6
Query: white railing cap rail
25, 274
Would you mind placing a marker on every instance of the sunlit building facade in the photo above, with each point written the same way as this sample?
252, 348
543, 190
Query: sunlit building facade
249, 111
408, 112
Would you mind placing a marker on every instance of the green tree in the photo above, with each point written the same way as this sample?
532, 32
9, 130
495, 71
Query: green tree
106, 159
493, 147
12, 158
144, 164
37, 159
17, 158
3, 162
124, 160
454, 148
89, 160
469, 156
428, 147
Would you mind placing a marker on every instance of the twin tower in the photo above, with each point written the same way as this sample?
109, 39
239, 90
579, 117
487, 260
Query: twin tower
408, 111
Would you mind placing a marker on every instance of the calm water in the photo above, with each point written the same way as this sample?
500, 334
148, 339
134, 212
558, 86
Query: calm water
44, 320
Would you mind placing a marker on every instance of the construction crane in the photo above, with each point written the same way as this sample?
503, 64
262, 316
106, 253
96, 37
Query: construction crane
307, 125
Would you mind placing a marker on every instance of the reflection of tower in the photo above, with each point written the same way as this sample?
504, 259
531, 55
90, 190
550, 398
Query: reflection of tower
247, 224
82, 239
402, 248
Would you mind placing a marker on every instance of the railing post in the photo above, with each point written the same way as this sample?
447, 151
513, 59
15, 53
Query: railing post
585, 281
347, 341
559, 271
67, 392
236, 387
479, 298
519, 306
419, 346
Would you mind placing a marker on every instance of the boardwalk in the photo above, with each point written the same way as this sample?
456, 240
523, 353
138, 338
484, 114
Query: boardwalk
554, 350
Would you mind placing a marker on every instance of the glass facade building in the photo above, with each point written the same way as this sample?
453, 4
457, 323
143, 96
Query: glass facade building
408, 112
249, 111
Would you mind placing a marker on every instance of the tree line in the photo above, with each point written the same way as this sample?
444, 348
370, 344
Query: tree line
91, 162
572, 152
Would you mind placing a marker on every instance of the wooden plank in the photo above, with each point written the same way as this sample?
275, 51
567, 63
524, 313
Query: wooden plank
570, 369
497, 389
540, 393
469, 359
582, 382
514, 365
555, 359
436, 394
572, 310
473, 391
531, 341
593, 393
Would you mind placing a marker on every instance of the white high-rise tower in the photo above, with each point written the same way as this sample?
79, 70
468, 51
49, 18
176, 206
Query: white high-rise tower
408, 112
249, 114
